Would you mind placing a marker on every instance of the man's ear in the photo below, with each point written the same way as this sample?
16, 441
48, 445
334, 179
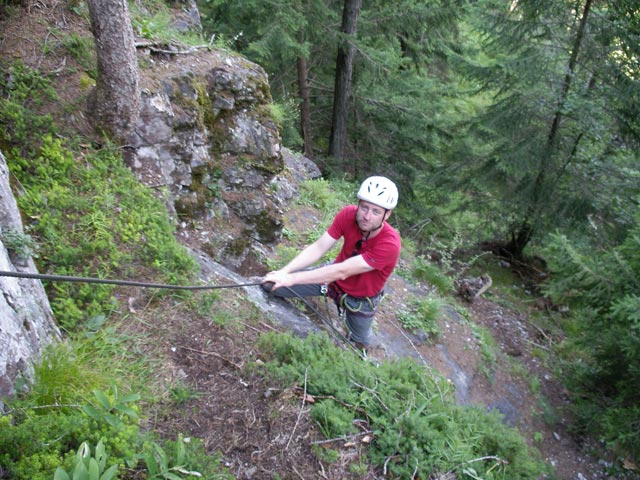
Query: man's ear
387, 214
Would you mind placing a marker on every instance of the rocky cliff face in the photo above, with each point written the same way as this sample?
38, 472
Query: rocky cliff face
206, 139
26, 321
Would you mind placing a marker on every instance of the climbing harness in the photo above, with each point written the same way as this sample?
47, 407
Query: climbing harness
326, 320
64, 278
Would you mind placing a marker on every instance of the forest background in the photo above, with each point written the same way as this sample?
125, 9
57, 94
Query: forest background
511, 126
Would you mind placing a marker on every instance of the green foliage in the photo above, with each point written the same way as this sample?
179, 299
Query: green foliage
423, 314
154, 20
424, 270
285, 114
22, 91
67, 411
19, 245
38, 440
553, 170
488, 349
327, 196
411, 411
82, 49
88, 467
602, 356
64, 374
94, 219
180, 459
87, 212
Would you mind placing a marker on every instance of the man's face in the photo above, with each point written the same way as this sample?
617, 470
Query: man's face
369, 216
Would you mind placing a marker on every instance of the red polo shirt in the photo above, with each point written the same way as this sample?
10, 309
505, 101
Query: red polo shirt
380, 252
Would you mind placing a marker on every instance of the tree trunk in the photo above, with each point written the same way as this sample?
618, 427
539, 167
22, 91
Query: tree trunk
344, 69
305, 110
116, 100
521, 237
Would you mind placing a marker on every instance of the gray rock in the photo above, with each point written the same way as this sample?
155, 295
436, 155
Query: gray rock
26, 320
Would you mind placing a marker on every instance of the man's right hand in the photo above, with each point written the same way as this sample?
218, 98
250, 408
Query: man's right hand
278, 278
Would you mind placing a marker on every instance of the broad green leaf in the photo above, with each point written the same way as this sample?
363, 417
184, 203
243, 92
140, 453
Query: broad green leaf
109, 473
61, 474
103, 399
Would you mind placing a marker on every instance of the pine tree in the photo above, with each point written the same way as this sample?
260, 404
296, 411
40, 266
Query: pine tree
551, 141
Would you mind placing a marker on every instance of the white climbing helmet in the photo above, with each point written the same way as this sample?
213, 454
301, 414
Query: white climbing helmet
380, 191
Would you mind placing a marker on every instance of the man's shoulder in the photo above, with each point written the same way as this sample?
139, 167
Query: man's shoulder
391, 232
347, 209
346, 213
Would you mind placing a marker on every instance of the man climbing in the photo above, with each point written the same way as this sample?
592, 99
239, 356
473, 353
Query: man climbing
356, 278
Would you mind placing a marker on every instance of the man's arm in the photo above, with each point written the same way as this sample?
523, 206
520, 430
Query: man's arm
292, 273
310, 254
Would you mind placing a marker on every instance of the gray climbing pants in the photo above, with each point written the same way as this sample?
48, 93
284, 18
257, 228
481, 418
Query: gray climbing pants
358, 312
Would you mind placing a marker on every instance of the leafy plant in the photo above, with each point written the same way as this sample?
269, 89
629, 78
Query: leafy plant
19, 245
113, 408
89, 467
423, 315
169, 465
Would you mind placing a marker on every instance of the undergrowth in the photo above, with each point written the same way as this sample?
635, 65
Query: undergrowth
419, 431
88, 214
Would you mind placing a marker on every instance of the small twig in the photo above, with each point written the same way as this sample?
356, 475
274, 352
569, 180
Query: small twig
537, 345
386, 463
415, 470
36, 407
297, 472
343, 438
485, 286
213, 354
304, 399
372, 392
256, 329
480, 459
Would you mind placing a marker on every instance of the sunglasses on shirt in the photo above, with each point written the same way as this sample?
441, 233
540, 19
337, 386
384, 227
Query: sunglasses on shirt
356, 250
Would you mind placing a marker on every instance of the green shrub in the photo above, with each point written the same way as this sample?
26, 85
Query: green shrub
423, 315
424, 270
601, 364
418, 428
112, 233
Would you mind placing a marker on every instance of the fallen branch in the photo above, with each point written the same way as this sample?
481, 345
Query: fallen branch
158, 48
212, 354
304, 399
343, 438
486, 284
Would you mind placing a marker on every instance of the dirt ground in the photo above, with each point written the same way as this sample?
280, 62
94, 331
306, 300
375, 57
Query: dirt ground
260, 431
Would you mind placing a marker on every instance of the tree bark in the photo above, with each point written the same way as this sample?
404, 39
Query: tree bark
344, 70
305, 110
115, 104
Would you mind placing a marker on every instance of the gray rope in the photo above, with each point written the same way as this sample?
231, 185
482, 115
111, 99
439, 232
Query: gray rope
64, 278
